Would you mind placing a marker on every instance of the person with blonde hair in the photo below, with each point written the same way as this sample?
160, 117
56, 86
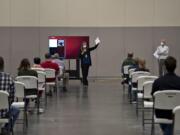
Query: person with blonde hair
142, 65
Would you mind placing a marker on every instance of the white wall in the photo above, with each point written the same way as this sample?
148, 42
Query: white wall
89, 13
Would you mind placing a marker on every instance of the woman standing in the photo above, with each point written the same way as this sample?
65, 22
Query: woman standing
86, 60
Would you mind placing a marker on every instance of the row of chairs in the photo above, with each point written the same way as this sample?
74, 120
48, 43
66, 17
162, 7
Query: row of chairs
28, 88
140, 83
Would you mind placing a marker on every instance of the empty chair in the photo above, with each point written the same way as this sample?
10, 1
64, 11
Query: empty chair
31, 87
42, 85
135, 76
125, 75
4, 105
139, 94
20, 100
176, 120
164, 100
147, 101
51, 78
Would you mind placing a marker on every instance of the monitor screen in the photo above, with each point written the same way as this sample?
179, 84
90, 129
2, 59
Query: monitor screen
67, 47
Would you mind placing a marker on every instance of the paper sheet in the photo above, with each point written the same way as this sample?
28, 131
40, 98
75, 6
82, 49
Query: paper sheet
97, 41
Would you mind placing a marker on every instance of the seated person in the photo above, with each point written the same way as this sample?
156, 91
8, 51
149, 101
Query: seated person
142, 66
128, 61
49, 64
170, 81
25, 69
56, 59
37, 63
7, 84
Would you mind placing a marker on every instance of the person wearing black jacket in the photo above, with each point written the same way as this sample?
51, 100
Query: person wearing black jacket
85, 57
170, 81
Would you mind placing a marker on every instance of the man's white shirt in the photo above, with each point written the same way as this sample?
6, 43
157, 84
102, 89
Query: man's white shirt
161, 52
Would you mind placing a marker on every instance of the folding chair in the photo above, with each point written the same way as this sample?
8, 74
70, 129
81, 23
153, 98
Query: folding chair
176, 120
135, 76
42, 85
51, 78
130, 82
164, 100
20, 101
147, 101
5, 105
140, 82
125, 76
31, 88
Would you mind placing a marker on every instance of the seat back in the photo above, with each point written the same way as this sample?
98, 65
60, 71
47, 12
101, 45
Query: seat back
20, 89
176, 120
50, 73
131, 71
125, 69
136, 74
41, 77
4, 101
142, 79
147, 88
30, 82
167, 99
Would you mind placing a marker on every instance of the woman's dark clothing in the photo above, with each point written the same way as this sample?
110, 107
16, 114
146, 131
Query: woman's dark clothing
85, 63
142, 69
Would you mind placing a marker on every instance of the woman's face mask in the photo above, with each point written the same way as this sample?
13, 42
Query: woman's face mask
84, 46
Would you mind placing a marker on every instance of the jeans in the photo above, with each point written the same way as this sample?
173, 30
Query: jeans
167, 129
14, 113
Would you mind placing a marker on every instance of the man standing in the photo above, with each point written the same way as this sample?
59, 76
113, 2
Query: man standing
161, 54
170, 81
7, 84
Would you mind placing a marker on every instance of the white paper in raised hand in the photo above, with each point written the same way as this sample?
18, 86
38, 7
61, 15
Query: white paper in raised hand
97, 40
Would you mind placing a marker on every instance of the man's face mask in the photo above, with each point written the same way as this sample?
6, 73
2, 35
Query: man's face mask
162, 43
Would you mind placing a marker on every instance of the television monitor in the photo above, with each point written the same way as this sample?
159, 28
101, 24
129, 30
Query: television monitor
67, 47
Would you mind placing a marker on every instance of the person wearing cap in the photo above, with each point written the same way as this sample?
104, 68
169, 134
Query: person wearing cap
85, 58
161, 54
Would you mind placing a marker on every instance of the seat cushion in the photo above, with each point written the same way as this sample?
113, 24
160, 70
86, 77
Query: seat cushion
148, 104
4, 121
134, 89
31, 96
51, 83
162, 120
18, 104
140, 95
